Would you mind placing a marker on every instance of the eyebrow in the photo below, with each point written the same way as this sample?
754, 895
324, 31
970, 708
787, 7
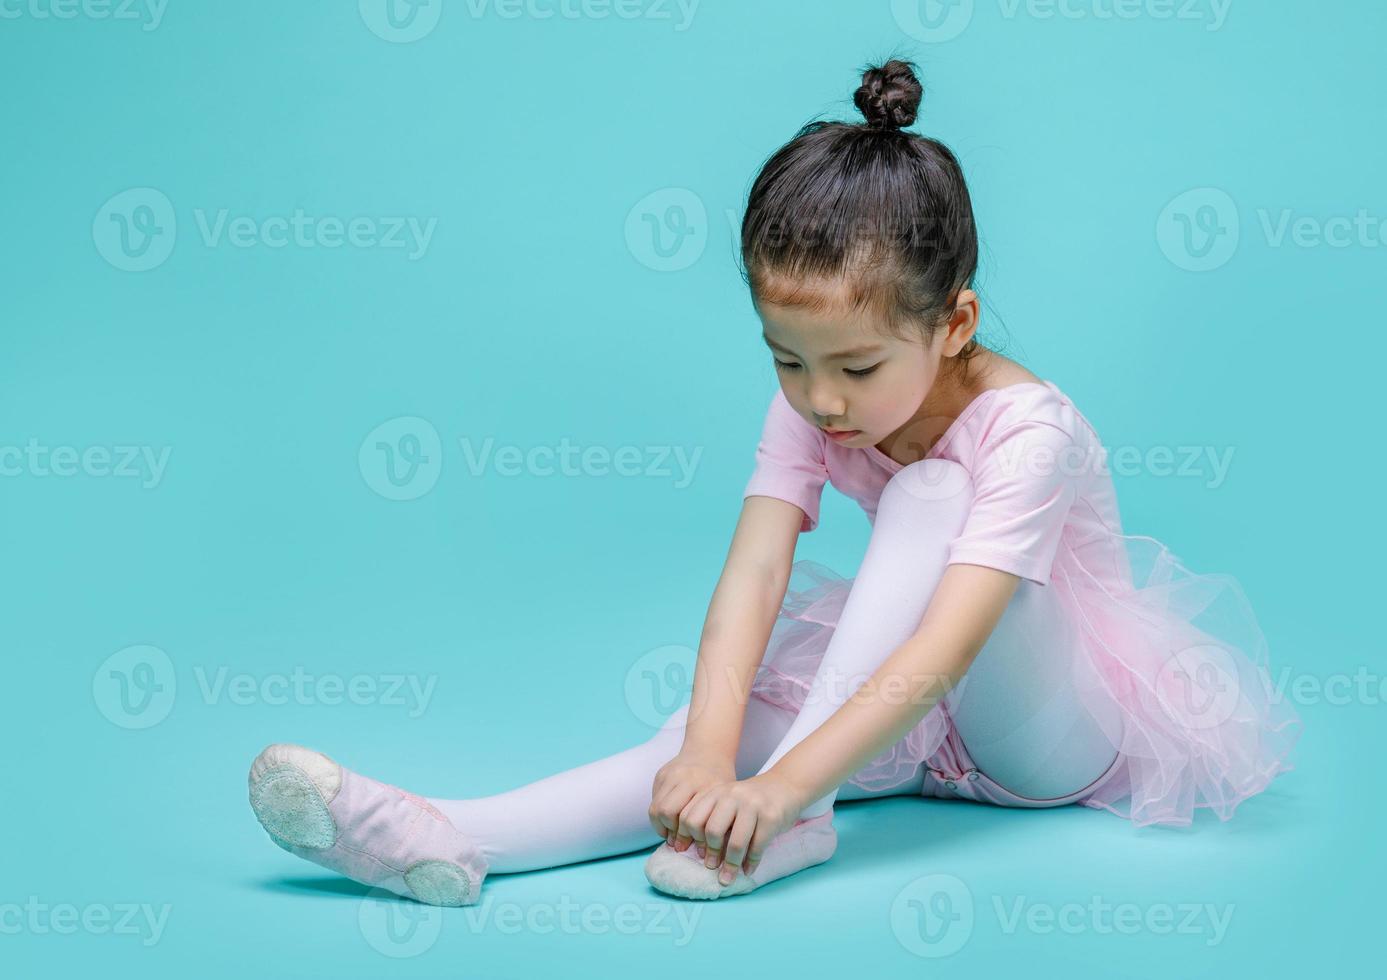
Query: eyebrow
841, 355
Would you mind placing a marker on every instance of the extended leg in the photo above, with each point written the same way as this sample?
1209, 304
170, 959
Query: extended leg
600, 808
438, 851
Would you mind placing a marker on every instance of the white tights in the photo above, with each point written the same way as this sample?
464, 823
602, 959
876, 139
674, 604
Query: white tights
1019, 709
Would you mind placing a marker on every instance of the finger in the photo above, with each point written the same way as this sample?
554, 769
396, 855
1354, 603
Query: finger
657, 821
715, 831
738, 839
694, 815
667, 814
759, 841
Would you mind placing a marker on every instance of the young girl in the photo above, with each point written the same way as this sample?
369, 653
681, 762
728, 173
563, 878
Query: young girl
1003, 641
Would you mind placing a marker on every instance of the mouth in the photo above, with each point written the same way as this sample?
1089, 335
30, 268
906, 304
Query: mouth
841, 433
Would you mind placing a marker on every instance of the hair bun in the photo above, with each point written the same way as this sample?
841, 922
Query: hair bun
889, 95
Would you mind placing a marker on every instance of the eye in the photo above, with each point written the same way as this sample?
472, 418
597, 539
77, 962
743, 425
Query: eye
863, 372
788, 367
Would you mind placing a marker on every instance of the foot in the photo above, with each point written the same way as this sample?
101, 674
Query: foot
683, 873
371, 832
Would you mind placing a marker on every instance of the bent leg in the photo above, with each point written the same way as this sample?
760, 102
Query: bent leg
1031, 712
922, 509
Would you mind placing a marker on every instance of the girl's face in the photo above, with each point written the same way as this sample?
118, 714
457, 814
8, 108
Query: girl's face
841, 371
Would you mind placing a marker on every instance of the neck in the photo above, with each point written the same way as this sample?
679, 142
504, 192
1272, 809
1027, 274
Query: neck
942, 406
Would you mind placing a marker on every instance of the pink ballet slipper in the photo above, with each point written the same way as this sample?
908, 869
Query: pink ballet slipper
370, 831
683, 873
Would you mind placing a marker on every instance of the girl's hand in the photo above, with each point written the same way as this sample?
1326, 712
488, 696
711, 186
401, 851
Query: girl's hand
679, 781
735, 821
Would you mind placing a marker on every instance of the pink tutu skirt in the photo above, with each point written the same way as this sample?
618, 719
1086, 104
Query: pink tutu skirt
1179, 653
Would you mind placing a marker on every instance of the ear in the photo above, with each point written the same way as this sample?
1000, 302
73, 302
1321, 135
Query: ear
963, 323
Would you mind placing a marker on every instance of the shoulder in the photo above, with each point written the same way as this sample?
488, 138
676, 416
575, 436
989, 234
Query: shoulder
1038, 408
1031, 435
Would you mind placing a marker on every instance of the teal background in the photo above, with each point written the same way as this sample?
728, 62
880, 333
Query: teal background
540, 605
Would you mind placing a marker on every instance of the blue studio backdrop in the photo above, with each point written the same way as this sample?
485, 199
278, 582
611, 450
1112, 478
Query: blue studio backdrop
378, 377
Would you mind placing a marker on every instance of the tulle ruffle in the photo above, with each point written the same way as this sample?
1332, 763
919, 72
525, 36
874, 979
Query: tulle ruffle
1179, 653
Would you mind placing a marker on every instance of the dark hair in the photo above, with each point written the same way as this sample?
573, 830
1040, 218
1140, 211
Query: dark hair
883, 211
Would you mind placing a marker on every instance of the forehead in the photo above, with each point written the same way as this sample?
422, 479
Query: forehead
831, 332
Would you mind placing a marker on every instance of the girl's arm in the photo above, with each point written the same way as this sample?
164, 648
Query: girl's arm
738, 627
965, 607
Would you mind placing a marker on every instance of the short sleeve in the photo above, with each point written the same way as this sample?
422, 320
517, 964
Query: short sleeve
1024, 486
789, 462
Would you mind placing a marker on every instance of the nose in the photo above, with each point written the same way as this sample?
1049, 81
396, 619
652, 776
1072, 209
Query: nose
824, 402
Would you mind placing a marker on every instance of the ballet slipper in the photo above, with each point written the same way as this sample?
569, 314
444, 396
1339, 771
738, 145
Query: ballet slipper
372, 832
684, 874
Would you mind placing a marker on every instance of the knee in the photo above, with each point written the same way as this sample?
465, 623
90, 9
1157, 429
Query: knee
933, 483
